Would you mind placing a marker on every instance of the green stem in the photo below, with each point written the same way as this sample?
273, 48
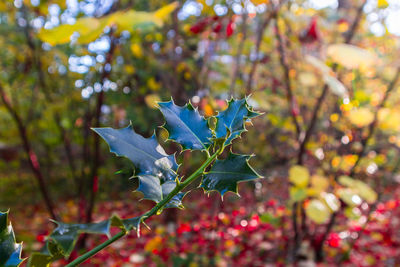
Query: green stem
151, 212
181, 186
95, 250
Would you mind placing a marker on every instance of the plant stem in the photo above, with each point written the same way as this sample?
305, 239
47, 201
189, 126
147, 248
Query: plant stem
160, 205
95, 250
236, 68
374, 124
314, 118
260, 33
32, 156
181, 186
293, 109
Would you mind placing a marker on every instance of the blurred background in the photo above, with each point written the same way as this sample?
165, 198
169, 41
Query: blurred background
324, 72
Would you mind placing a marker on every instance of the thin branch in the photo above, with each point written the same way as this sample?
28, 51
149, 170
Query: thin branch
154, 211
36, 55
239, 54
310, 129
288, 84
374, 124
32, 156
260, 33
364, 142
371, 210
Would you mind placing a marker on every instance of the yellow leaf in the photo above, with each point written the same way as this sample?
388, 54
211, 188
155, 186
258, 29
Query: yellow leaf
360, 188
389, 119
3, 6
331, 201
90, 29
353, 213
317, 211
297, 194
349, 196
382, 4
312, 192
129, 69
346, 181
366, 192
58, 35
152, 100
164, 12
259, 2
299, 176
360, 117
131, 20
61, 3
351, 56
319, 183
187, 75
136, 50
153, 84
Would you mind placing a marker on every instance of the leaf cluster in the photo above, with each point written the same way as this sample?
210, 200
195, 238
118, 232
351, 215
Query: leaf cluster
157, 171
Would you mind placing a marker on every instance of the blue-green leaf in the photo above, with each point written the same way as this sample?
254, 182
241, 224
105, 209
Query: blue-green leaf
63, 239
230, 122
10, 251
156, 170
185, 126
154, 188
225, 174
66, 235
145, 153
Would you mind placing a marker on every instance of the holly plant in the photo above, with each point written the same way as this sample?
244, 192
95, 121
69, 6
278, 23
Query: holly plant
158, 175
10, 251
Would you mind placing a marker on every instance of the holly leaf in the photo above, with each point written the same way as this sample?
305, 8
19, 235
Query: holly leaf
10, 251
231, 121
146, 153
185, 126
66, 235
153, 188
155, 169
63, 239
225, 174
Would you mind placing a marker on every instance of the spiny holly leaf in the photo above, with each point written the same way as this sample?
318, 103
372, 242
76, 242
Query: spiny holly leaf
66, 235
10, 251
231, 120
154, 188
145, 153
225, 174
185, 126
156, 169
63, 239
